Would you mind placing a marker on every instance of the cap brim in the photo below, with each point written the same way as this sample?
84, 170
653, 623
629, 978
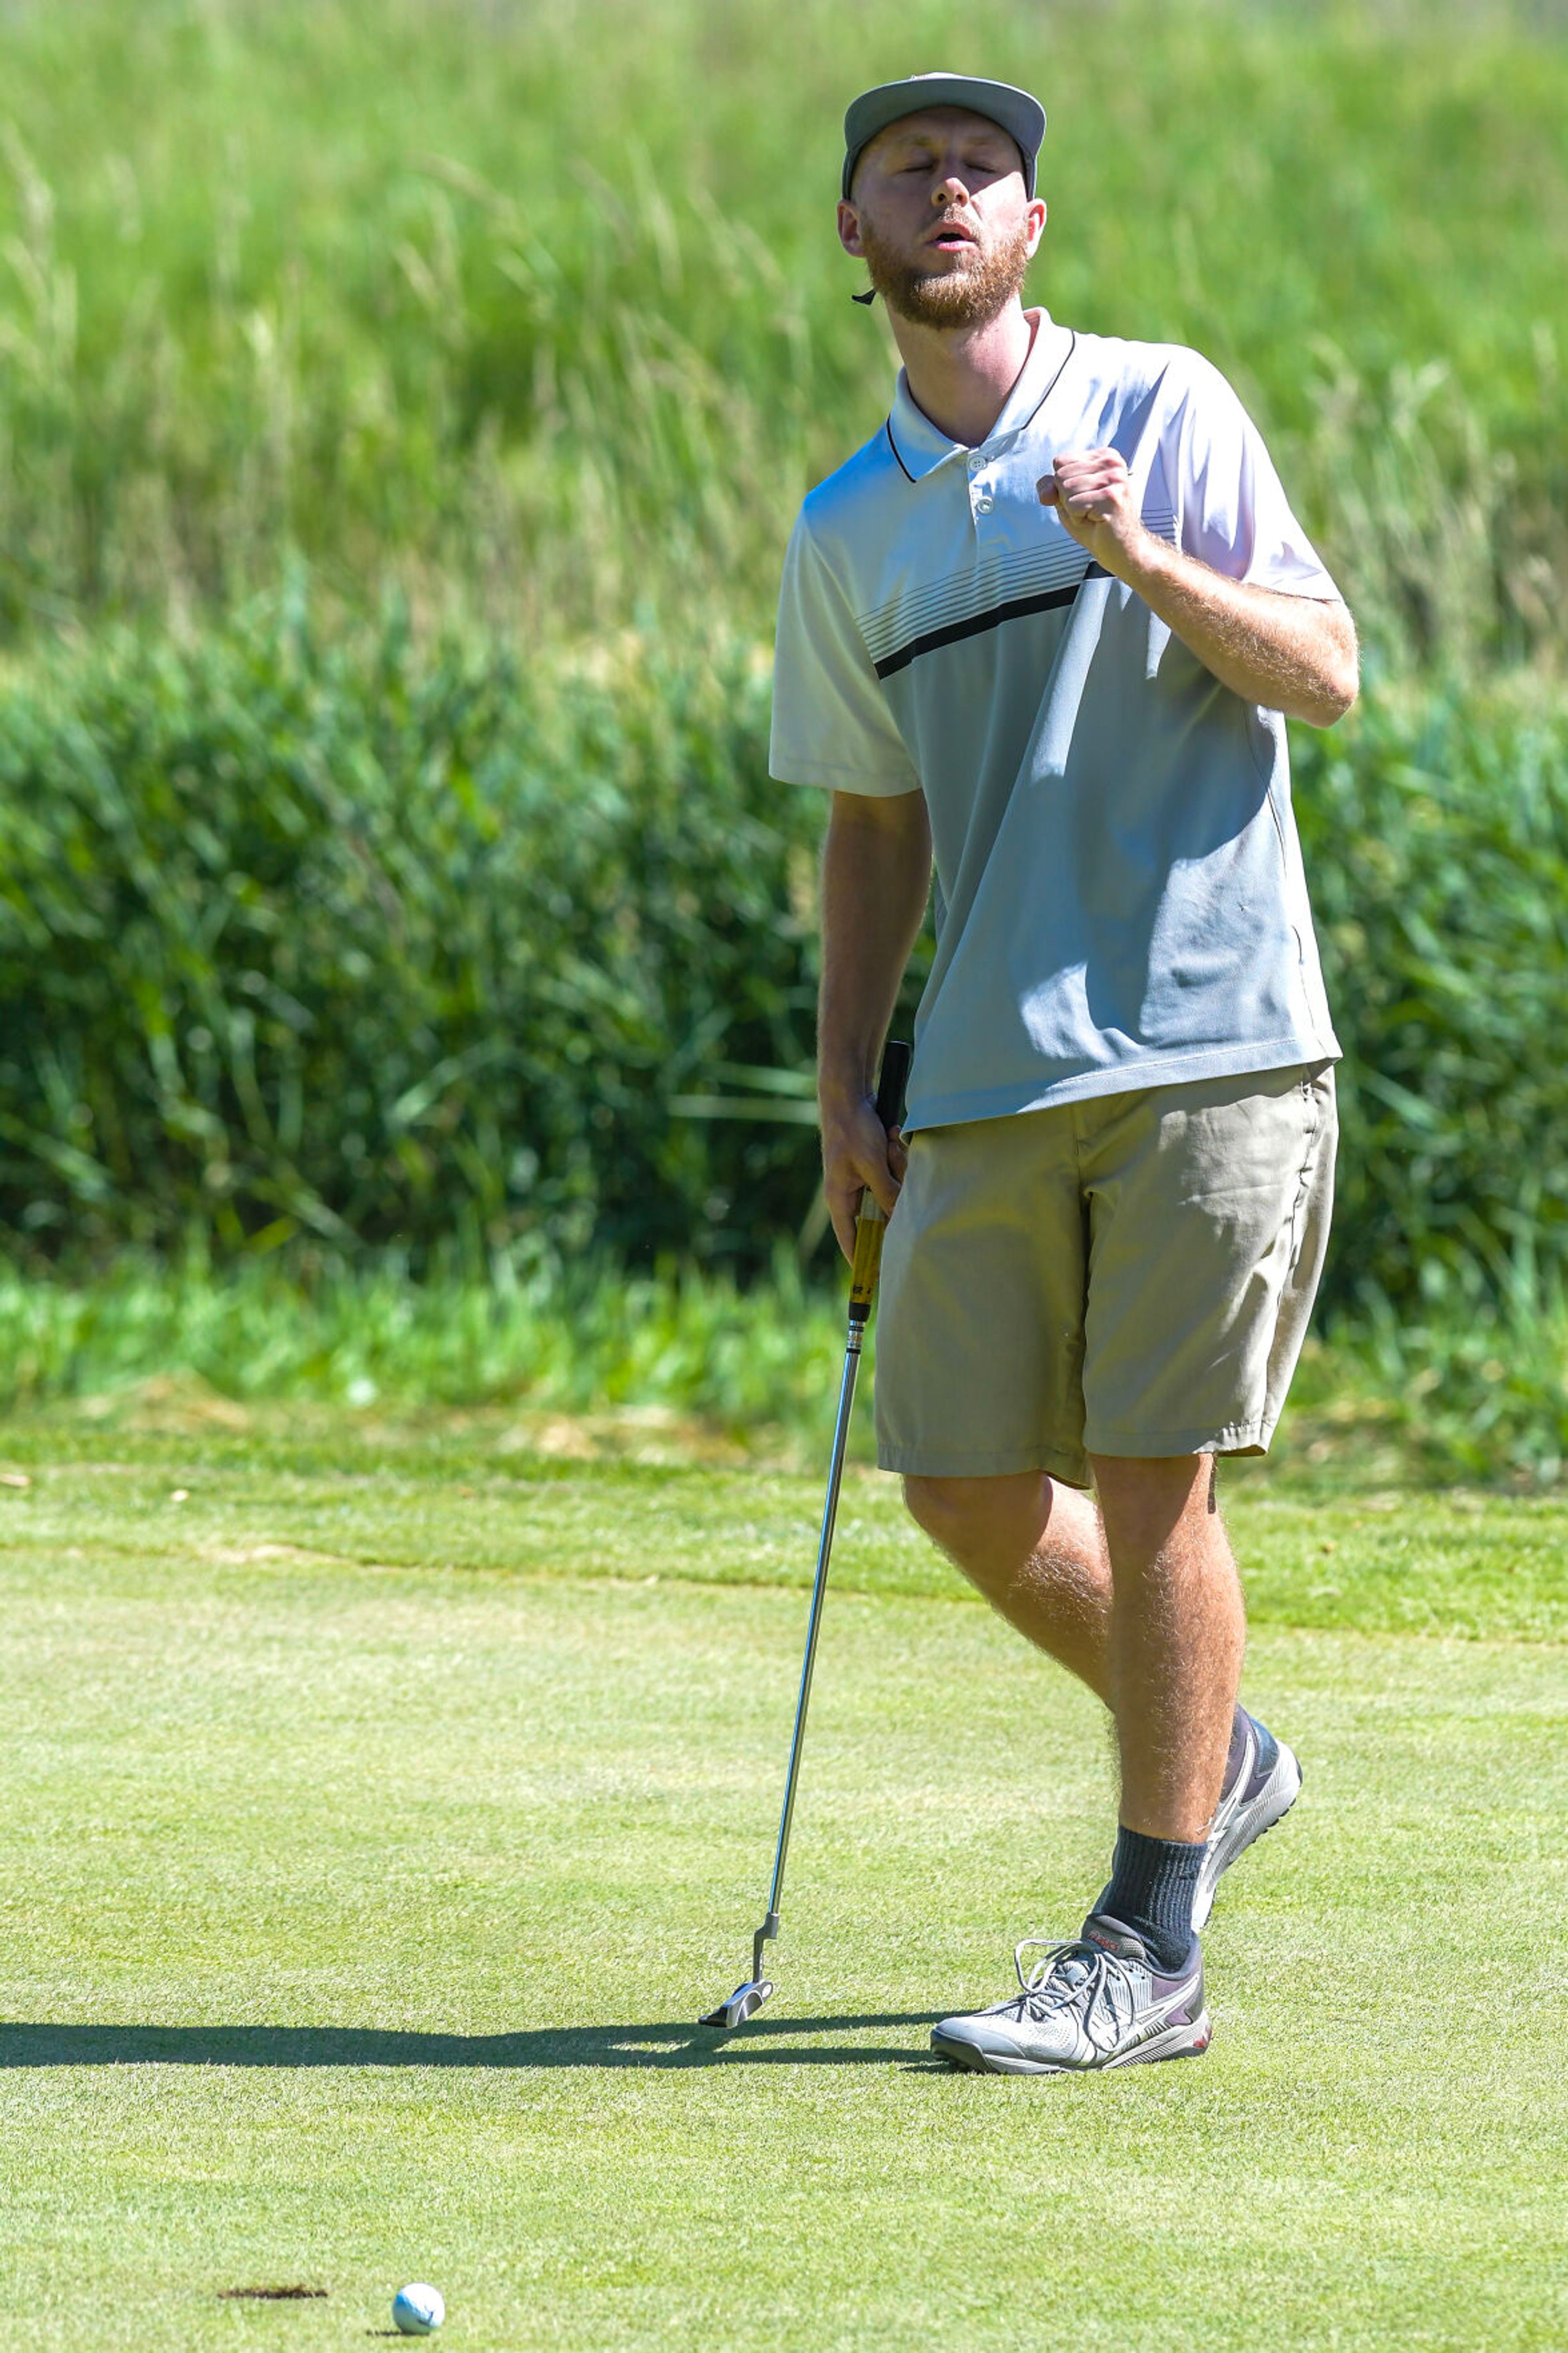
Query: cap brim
1020, 114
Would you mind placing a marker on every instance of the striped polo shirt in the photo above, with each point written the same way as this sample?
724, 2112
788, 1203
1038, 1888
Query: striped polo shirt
1120, 899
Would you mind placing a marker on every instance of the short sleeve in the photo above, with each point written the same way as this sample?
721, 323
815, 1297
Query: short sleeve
831, 723
1232, 510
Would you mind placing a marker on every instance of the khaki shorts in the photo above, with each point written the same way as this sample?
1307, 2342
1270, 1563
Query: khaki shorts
1130, 1275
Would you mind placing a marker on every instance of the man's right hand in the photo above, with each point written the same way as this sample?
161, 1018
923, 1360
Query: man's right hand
857, 1152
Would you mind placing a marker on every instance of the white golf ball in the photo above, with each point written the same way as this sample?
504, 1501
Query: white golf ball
418, 2310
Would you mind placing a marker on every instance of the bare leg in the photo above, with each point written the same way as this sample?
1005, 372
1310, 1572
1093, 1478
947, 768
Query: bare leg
1176, 1636
1035, 1550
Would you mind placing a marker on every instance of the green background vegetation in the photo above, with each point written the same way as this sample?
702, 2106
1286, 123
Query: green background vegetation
402, 411
336, 935
539, 309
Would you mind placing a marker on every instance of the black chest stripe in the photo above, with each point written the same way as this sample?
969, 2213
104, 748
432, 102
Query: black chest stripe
1013, 610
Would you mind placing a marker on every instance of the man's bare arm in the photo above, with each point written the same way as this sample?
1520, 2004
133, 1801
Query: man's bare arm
876, 874
1295, 654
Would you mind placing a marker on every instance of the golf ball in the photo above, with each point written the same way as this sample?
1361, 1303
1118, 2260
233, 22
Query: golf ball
418, 2310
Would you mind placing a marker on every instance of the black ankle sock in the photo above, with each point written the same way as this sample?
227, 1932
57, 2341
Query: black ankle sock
1153, 1883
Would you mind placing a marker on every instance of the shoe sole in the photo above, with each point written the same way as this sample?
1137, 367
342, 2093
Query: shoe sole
1271, 1805
1187, 2042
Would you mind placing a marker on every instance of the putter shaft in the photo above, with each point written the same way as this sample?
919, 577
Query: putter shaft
869, 1226
853, 1345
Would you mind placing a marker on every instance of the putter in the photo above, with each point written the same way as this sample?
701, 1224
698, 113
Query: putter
870, 1225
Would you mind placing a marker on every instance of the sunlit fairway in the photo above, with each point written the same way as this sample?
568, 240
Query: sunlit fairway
381, 1807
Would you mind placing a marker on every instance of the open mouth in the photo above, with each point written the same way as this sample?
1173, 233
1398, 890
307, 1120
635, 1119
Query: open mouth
951, 239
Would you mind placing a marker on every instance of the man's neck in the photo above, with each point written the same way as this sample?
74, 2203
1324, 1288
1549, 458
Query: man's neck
961, 376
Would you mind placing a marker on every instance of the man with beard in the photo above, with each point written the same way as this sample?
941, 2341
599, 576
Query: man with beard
1041, 631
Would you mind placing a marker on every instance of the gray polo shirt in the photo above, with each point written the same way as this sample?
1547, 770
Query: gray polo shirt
1119, 899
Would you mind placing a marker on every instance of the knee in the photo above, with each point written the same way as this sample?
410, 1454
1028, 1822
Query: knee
1145, 1501
986, 1526
942, 1507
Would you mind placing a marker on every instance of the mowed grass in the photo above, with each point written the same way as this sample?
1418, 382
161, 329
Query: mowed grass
379, 1815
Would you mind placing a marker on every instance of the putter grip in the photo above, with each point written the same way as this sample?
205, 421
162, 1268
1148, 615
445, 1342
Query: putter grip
897, 1056
871, 1225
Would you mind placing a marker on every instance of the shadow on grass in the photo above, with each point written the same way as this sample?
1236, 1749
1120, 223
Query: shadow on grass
761, 2042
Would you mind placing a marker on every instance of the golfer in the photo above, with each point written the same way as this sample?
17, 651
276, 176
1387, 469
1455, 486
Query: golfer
1043, 632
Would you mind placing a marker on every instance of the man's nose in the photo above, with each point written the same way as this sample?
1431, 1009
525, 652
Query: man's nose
947, 191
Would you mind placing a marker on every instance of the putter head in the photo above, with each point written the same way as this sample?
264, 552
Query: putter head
742, 2003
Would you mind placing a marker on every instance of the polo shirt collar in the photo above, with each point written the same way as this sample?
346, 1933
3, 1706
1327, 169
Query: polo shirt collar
920, 446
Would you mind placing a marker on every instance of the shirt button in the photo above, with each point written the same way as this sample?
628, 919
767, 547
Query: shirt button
975, 461
984, 506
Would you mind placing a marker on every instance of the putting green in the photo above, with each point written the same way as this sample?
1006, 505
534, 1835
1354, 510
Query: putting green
355, 1917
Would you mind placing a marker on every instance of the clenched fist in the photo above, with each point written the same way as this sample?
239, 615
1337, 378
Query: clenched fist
1092, 492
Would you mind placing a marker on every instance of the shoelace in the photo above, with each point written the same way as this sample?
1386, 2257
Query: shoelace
1076, 1966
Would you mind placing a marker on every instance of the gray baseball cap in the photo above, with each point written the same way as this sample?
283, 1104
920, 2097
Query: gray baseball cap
1022, 117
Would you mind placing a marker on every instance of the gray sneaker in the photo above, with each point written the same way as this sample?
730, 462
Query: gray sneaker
1262, 1782
1098, 2001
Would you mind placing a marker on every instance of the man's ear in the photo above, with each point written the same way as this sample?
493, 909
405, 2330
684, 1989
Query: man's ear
849, 229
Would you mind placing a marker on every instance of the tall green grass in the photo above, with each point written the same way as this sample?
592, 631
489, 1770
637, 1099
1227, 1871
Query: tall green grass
402, 410
541, 311
1435, 827
316, 933
577, 1339
679, 1357
319, 933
